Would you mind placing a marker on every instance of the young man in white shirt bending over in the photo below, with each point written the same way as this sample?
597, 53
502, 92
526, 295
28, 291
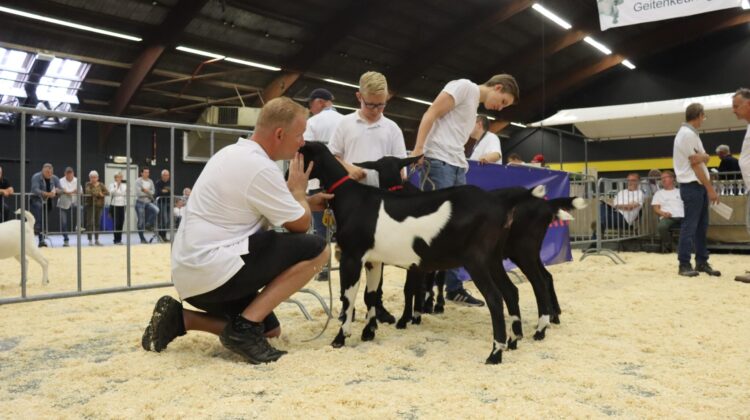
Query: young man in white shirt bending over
223, 254
689, 161
367, 135
443, 132
668, 205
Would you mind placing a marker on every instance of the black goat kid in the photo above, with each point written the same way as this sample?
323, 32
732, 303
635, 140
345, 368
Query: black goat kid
531, 219
460, 226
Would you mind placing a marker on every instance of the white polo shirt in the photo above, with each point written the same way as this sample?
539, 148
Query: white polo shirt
449, 133
320, 127
686, 143
356, 140
239, 192
745, 160
629, 197
488, 144
669, 201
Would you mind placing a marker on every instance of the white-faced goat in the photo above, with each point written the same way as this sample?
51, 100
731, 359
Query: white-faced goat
10, 243
531, 219
459, 226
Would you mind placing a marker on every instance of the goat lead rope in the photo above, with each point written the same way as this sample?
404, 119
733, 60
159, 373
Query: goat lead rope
330, 223
425, 177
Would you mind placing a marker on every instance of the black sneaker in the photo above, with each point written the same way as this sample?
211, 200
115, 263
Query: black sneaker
246, 338
687, 271
706, 268
323, 276
166, 324
462, 297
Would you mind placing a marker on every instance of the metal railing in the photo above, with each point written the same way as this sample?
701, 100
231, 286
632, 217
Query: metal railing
25, 204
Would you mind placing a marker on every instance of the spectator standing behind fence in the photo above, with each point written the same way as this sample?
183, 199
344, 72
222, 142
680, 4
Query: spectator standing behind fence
651, 183
118, 191
145, 209
690, 158
728, 163
44, 188
741, 108
94, 199
163, 192
443, 131
6, 191
320, 127
68, 203
487, 147
186, 194
668, 205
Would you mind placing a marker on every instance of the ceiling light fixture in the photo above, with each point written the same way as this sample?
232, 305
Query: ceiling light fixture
598, 45
199, 52
339, 82
69, 24
515, 124
628, 64
419, 101
746, 4
252, 64
551, 16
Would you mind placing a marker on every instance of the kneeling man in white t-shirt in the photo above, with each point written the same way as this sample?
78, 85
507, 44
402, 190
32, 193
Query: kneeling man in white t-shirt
225, 260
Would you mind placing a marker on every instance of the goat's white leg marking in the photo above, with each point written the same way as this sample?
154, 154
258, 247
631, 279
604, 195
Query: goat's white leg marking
543, 323
373, 280
498, 346
350, 294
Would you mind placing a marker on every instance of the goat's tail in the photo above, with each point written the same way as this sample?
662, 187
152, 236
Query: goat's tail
561, 206
29, 217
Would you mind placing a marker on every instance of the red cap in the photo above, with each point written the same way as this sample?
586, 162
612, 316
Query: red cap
538, 158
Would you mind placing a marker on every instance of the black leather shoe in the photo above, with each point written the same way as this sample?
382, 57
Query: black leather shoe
246, 338
706, 268
687, 271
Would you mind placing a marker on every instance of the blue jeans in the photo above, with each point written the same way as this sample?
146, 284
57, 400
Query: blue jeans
40, 223
146, 215
444, 175
694, 225
67, 220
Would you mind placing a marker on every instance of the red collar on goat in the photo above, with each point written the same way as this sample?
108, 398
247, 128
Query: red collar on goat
396, 188
337, 184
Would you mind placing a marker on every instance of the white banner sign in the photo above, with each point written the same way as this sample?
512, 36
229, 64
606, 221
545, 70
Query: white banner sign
614, 13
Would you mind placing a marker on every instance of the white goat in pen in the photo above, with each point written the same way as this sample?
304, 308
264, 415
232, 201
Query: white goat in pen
10, 242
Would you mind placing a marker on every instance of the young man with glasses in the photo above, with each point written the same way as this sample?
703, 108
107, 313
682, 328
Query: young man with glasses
446, 126
689, 159
627, 204
368, 135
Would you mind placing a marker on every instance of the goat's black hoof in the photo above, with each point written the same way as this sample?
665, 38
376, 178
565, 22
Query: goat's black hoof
439, 308
401, 324
384, 316
555, 319
539, 335
368, 334
496, 357
428, 306
517, 329
512, 344
416, 320
339, 341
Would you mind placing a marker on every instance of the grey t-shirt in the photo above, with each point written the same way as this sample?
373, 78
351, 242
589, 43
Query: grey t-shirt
148, 184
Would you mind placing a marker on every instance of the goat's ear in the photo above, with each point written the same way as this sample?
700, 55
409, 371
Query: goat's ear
368, 165
409, 161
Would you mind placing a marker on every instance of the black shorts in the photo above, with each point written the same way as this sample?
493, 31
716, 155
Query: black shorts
269, 254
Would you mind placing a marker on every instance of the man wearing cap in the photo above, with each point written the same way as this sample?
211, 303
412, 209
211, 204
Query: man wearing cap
538, 159
68, 202
320, 127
